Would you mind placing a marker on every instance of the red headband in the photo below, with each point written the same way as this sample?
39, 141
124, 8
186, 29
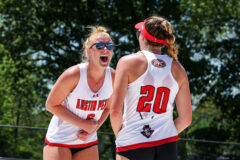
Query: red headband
148, 36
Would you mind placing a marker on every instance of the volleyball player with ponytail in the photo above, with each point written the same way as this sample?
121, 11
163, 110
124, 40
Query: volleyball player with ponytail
80, 102
148, 83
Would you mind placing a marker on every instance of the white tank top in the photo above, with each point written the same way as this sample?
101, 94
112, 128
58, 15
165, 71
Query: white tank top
148, 106
84, 103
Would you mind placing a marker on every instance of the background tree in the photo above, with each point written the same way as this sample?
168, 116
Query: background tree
209, 30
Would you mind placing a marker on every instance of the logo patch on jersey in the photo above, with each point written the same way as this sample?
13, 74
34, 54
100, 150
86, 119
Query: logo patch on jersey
158, 63
95, 95
147, 132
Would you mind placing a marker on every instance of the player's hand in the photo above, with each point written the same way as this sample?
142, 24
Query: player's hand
83, 135
90, 126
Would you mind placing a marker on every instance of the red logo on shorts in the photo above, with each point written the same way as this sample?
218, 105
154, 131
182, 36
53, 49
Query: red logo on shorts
158, 63
147, 132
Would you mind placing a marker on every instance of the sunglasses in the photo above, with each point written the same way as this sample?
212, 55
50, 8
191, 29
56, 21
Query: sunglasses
100, 45
138, 33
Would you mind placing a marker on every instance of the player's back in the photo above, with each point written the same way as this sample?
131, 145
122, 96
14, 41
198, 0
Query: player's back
148, 104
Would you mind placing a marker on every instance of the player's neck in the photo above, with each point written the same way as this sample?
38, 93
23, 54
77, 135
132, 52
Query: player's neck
156, 50
95, 71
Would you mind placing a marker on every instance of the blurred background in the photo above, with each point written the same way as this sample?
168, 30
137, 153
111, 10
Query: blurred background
39, 39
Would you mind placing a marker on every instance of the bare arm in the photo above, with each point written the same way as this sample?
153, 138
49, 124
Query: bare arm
183, 100
64, 85
83, 135
107, 109
119, 92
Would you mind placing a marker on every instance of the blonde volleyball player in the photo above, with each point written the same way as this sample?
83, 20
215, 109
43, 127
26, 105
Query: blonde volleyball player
148, 83
79, 102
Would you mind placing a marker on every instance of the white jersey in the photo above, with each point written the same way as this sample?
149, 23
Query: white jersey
84, 103
148, 106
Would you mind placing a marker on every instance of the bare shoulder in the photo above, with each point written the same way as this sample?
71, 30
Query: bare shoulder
133, 66
178, 66
72, 72
179, 73
132, 57
131, 61
72, 75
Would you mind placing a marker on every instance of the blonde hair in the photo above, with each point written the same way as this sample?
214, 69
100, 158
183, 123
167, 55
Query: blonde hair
95, 30
163, 30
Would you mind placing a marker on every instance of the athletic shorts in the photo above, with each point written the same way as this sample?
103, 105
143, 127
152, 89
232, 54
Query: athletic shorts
73, 150
166, 151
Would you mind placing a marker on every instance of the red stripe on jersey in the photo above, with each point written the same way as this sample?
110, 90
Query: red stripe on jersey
71, 145
148, 144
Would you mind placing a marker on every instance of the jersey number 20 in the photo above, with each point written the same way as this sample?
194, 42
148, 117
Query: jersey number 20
160, 99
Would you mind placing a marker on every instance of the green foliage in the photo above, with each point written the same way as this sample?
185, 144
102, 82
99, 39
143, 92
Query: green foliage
214, 45
210, 32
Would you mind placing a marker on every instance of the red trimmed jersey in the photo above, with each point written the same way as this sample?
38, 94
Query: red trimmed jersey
148, 106
84, 103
